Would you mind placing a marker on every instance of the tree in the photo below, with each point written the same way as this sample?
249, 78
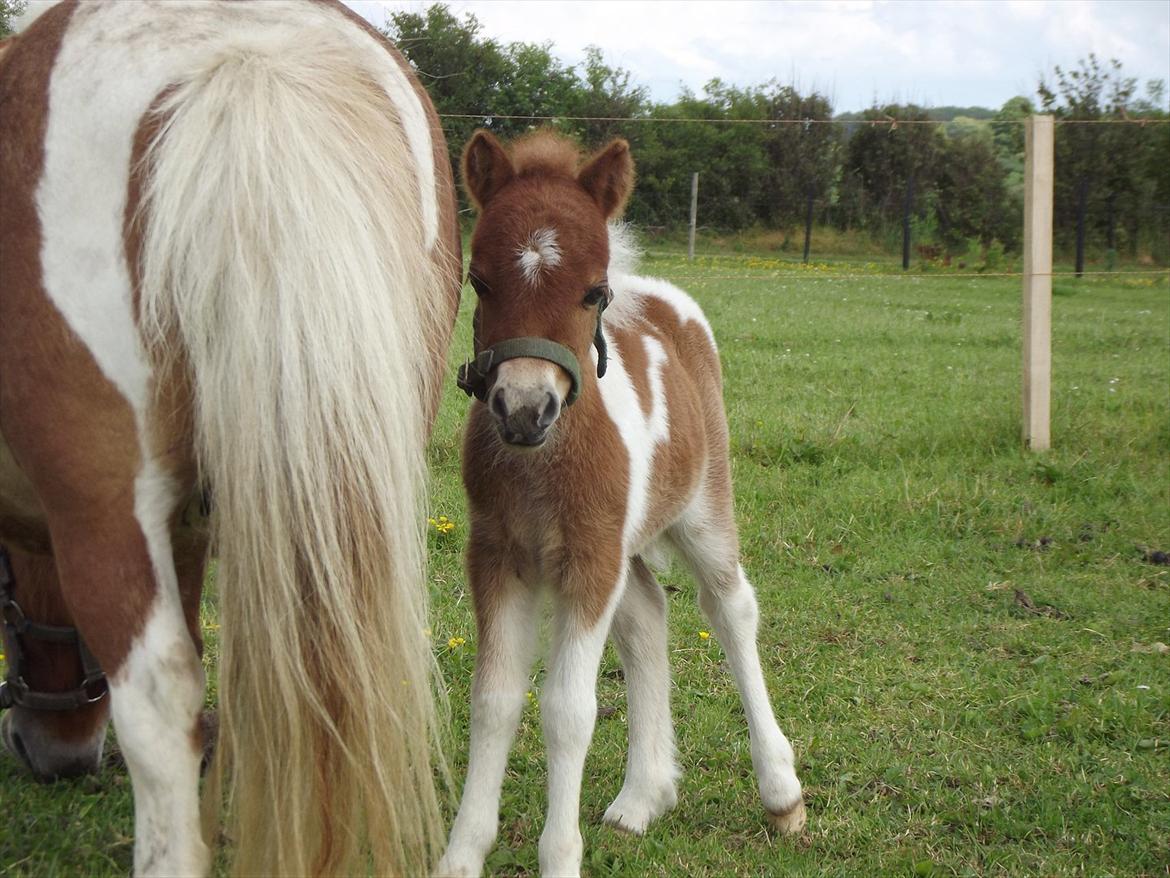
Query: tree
802, 150
605, 93
730, 159
9, 11
888, 164
1104, 182
467, 77
971, 198
478, 83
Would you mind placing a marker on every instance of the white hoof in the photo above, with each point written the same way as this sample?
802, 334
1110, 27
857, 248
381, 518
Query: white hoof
790, 821
456, 867
634, 809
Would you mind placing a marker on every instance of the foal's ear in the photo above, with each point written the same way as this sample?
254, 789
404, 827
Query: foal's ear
486, 167
609, 177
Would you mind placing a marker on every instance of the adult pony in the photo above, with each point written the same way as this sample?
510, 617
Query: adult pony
230, 264
596, 441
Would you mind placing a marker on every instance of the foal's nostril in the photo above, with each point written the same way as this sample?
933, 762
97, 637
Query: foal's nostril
498, 406
548, 414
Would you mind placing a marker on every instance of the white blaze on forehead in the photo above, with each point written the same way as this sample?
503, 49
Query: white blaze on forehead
540, 251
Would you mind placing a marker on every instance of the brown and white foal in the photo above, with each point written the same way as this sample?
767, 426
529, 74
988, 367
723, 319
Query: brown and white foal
572, 497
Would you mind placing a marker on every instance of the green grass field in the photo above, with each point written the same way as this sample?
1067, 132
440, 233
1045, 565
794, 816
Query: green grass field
961, 637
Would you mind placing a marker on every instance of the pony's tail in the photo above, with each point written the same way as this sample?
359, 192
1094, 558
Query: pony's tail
284, 266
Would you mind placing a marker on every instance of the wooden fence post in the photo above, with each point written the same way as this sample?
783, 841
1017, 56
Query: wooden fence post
1037, 335
808, 218
907, 206
694, 215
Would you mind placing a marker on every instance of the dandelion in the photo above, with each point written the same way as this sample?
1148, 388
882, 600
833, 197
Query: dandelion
442, 524
704, 635
456, 642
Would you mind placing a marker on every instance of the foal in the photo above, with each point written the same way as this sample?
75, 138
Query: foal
577, 465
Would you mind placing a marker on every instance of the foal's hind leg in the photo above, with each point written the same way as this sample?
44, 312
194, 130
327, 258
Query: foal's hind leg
707, 540
639, 631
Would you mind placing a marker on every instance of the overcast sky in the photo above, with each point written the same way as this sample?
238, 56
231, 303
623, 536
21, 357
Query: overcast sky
933, 52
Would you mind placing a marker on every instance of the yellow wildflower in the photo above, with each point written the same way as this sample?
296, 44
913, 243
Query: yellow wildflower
442, 524
703, 635
456, 642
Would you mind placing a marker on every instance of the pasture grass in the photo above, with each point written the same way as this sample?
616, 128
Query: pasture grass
960, 637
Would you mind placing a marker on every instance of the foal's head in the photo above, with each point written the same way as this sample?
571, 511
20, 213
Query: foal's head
538, 266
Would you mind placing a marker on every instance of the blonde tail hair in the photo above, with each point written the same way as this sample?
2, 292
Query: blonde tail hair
285, 266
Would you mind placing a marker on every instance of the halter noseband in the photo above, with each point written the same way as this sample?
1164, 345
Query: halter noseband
472, 377
15, 691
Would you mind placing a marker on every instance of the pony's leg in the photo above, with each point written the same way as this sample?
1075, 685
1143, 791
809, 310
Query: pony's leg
568, 713
507, 632
639, 631
156, 679
707, 540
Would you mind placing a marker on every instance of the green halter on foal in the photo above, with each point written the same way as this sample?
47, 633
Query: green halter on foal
473, 374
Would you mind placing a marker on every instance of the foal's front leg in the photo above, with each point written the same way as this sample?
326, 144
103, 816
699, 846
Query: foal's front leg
569, 711
506, 622
639, 631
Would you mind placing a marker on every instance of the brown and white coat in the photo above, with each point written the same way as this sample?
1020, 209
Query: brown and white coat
575, 499
228, 254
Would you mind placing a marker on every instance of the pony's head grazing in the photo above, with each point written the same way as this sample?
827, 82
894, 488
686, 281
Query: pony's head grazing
538, 266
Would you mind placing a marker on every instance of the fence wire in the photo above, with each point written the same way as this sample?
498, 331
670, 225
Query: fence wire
856, 123
854, 188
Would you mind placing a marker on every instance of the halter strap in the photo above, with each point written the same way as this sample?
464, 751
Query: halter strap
15, 691
472, 377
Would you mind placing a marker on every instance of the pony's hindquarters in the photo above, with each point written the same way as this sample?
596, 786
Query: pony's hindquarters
287, 266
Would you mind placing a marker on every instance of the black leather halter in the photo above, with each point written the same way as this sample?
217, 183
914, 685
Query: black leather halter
15, 691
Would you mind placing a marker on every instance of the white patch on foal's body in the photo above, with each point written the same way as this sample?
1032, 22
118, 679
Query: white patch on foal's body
631, 290
640, 433
539, 252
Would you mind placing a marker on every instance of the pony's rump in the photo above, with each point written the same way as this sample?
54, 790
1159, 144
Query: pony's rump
290, 264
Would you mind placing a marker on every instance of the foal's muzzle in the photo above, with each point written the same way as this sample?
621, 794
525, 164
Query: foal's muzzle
523, 414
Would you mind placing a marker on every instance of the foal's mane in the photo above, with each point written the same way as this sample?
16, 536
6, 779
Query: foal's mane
545, 152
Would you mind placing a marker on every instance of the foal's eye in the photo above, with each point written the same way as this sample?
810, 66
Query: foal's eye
477, 284
596, 294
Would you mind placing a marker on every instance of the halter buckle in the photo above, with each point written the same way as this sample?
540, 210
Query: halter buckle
472, 375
